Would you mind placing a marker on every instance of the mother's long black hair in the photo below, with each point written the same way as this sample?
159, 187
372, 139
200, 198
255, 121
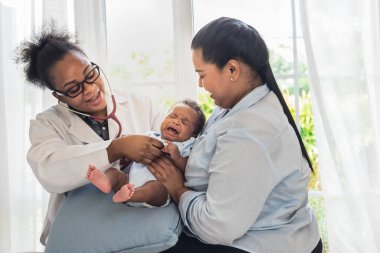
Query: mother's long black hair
226, 38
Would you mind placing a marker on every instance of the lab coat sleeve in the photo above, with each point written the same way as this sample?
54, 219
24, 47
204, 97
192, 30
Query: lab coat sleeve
240, 179
58, 165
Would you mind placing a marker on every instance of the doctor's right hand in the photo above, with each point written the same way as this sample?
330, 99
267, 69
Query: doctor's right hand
139, 148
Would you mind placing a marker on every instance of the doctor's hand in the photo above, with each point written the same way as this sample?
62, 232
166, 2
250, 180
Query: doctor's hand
138, 148
172, 178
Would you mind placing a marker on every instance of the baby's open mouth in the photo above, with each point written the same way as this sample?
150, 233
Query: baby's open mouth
172, 130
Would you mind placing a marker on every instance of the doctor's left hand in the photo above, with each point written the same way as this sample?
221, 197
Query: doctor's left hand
138, 148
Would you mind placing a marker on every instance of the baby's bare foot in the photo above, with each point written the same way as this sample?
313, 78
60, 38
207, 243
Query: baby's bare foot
124, 194
99, 179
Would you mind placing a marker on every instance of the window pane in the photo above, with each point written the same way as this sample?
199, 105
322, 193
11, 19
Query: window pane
140, 46
277, 32
302, 60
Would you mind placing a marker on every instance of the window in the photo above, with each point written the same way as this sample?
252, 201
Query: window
140, 47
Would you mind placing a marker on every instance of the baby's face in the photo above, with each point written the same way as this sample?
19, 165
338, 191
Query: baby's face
179, 123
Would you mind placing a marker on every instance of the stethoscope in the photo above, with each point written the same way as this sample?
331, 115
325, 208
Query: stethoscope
112, 115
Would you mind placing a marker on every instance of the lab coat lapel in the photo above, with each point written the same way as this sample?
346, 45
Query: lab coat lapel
77, 126
82, 131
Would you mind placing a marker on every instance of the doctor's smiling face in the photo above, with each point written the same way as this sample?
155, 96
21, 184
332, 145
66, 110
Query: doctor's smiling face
78, 83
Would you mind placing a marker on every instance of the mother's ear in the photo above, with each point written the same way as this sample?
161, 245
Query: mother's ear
233, 69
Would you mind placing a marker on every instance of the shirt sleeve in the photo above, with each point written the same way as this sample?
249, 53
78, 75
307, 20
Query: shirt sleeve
240, 179
185, 147
58, 166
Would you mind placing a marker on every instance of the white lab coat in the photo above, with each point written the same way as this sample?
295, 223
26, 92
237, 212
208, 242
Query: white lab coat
63, 145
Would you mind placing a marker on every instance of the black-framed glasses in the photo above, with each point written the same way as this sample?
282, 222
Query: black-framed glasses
90, 78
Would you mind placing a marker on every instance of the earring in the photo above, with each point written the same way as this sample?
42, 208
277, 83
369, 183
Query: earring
231, 79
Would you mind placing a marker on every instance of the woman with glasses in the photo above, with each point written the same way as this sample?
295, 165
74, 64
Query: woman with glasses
89, 124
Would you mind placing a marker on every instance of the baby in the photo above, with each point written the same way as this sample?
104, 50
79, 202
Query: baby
179, 128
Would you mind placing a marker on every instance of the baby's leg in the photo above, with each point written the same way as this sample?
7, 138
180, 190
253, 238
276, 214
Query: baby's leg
124, 193
103, 181
118, 179
152, 192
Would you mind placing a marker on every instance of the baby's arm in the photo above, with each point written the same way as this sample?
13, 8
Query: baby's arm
179, 161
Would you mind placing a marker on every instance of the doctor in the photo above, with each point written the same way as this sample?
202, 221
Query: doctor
89, 125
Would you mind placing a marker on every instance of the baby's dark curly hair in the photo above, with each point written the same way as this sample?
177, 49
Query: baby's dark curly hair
42, 51
201, 116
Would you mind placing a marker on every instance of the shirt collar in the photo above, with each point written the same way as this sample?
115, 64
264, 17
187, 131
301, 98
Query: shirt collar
250, 99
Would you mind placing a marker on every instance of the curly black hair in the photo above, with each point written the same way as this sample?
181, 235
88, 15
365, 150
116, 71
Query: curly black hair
42, 51
201, 116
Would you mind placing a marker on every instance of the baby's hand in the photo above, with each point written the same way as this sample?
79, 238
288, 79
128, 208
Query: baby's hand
171, 149
175, 156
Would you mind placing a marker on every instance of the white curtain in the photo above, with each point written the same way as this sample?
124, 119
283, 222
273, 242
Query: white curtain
342, 40
23, 202
5, 210
91, 29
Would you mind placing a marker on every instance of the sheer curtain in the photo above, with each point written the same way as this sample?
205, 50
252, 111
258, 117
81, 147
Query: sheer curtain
23, 201
5, 211
343, 49
90, 27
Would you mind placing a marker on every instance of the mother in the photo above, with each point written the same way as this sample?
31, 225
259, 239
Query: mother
78, 131
248, 173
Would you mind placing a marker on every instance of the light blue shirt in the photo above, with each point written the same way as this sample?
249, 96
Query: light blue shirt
250, 181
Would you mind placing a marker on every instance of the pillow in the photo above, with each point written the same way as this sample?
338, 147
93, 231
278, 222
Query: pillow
89, 221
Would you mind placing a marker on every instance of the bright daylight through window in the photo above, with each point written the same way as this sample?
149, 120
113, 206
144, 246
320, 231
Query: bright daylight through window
140, 47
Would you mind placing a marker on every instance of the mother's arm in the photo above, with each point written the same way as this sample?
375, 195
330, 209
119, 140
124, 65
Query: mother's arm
239, 183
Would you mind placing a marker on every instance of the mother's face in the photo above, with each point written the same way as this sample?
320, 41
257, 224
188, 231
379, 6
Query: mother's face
72, 69
214, 80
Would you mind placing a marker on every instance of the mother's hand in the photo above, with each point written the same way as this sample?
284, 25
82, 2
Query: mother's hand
171, 177
138, 148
